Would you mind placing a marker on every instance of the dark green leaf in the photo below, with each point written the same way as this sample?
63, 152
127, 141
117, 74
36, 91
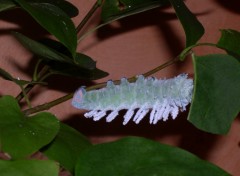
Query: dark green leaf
66, 147
54, 20
134, 156
53, 52
117, 9
41, 50
6, 4
81, 60
21, 136
84, 61
28, 168
230, 41
67, 7
192, 27
5, 75
56, 46
71, 70
81, 67
216, 93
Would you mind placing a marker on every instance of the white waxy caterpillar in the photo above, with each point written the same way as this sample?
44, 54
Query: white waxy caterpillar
162, 97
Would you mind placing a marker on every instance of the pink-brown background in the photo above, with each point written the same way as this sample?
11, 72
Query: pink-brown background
130, 47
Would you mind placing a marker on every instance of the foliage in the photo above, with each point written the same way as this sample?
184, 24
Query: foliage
23, 134
144, 157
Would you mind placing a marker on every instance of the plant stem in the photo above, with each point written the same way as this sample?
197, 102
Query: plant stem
161, 67
186, 51
97, 86
35, 73
48, 105
26, 97
88, 16
80, 38
29, 87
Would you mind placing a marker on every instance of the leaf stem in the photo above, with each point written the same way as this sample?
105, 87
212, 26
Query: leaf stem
40, 77
35, 73
48, 105
26, 97
62, 99
89, 15
161, 67
80, 38
185, 52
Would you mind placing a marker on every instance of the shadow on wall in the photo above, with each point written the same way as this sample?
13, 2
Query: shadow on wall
190, 138
155, 17
232, 5
24, 24
27, 26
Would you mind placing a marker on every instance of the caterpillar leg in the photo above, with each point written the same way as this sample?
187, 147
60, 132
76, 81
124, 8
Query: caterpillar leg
140, 114
112, 116
128, 116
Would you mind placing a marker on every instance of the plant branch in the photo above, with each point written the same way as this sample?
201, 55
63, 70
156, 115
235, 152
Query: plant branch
29, 87
26, 97
90, 31
161, 67
48, 105
187, 50
97, 86
89, 15
35, 73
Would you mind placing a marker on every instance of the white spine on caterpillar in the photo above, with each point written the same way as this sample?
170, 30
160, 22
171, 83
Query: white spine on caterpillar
162, 97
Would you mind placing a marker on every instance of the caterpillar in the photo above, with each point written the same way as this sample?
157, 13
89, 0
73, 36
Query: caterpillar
163, 97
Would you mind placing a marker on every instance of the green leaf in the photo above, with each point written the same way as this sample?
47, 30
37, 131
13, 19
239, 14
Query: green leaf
21, 136
230, 41
48, 53
71, 70
81, 66
216, 93
117, 9
41, 50
55, 21
84, 61
4, 74
81, 60
7, 76
66, 147
192, 27
135, 156
28, 168
66, 6
6, 4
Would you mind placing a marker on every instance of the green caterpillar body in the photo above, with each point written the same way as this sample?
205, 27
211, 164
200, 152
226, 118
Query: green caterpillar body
163, 97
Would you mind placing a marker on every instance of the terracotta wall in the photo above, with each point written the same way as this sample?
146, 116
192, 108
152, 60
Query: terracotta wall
130, 47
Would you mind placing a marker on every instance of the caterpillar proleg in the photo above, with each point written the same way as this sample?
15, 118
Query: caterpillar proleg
159, 97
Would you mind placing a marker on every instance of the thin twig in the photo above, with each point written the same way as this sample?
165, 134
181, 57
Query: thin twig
48, 105
88, 16
26, 97
29, 87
